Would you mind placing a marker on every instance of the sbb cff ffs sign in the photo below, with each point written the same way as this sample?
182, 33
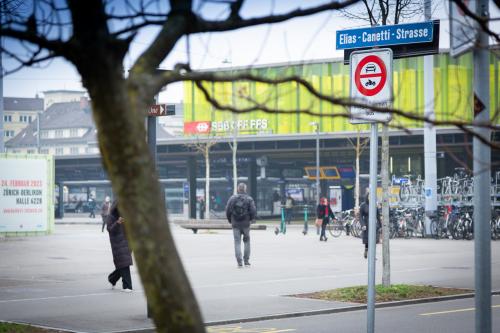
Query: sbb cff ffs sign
371, 84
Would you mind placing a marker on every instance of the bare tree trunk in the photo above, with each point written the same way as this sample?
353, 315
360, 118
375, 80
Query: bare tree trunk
125, 152
386, 259
207, 181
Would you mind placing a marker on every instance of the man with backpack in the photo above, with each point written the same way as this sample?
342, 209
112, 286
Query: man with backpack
241, 212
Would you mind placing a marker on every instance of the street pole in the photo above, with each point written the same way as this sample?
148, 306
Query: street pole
430, 165
318, 191
372, 226
151, 137
316, 128
38, 132
151, 128
482, 173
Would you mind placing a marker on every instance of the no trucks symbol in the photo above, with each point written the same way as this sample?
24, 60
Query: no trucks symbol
371, 85
370, 75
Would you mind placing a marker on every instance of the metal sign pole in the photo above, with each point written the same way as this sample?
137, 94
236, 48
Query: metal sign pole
430, 166
482, 173
318, 186
371, 82
372, 228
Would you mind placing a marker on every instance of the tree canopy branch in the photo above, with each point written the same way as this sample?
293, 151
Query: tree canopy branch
234, 22
56, 46
481, 20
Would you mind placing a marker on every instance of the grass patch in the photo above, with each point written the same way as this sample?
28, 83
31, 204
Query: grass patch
396, 292
20, 328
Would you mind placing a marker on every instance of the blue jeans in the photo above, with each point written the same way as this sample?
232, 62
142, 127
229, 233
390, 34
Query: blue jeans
237, 233
289, 215
323, 229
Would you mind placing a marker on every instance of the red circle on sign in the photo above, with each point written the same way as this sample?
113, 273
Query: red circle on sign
358, 76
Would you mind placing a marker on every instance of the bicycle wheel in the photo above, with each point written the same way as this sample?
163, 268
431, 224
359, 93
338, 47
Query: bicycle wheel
421, 228
335, 228
356, 228
404, 193
435, 230
457, 231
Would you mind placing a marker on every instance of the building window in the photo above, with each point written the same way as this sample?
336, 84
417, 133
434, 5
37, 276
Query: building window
9, 134
44, 134
30, 119
74, 150
73, 132
31, 151
59, 151
7, 118
23, 119
59, 134
44, 151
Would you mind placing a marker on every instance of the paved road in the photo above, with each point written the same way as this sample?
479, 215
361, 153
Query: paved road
60, 280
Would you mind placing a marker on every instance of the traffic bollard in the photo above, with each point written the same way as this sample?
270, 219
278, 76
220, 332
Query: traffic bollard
306, 227
283, 224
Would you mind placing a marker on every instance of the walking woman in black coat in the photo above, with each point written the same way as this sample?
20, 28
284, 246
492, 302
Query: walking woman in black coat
122, 256
364, 211
324, 212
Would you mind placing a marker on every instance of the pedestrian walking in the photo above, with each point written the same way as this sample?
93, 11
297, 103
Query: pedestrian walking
241, 212
105, 208
202, 208
276, 198
92, 204
364, 212
122, 256
324, 212
289, 202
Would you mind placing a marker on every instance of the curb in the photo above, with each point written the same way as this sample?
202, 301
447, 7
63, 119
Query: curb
295, 314
343, 309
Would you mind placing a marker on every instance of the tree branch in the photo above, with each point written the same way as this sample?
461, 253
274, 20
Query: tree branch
56, 46
233, 23
481, 20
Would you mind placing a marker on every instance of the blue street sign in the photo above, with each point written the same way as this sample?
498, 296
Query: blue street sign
385, 35
399, 180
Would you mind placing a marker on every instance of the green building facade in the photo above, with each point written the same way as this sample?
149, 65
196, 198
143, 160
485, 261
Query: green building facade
453, 81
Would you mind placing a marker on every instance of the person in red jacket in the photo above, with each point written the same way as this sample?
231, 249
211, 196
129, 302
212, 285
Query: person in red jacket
324, 212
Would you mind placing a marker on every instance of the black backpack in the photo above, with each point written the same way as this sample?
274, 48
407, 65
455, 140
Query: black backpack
240, 208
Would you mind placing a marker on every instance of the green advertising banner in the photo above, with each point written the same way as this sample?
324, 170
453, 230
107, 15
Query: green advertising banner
452, 98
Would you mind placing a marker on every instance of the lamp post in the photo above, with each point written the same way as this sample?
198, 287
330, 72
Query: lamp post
316, 128
38, 150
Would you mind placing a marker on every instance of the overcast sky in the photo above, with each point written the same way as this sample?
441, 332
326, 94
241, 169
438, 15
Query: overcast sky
295, 40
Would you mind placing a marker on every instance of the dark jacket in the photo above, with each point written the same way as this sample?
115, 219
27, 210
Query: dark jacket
324, 212
249, 218
364, 211
122, 256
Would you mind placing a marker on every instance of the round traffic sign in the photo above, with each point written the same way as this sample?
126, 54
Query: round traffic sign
370, 75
